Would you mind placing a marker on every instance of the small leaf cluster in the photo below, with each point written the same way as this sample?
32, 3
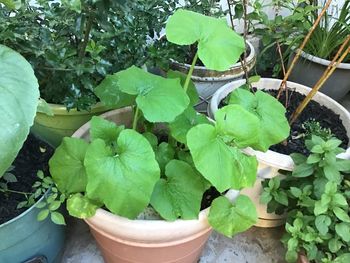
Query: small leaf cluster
7, 178
169, 155
313, 127
315, 197
73, 45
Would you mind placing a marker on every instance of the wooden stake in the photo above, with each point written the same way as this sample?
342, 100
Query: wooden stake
300, 49
329, 71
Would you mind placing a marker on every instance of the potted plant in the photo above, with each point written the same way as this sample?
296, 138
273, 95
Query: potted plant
207, 80
320, 50
315, 197
160, 160
21, 158
72, 46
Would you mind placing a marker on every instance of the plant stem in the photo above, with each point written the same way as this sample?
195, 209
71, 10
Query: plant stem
329, 71
190, 72
14, 191
300, 49
86, 36
283, 69
136, 116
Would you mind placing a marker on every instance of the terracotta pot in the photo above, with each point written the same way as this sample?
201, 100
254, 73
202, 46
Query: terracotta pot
270, 162
209, 81
146, 241
302, 259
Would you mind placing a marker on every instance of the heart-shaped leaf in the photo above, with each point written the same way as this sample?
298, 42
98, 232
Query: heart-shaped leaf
273, 127
105, 130
223, 166
180, 194
110, 94
184, 122
123, 180
219, 47
160, 99
230, 219
19, 96
67, 166
164, 153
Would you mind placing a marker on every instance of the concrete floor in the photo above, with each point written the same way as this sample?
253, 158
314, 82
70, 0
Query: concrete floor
257, 245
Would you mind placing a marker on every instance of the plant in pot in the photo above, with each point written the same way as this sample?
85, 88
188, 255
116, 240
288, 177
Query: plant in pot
315, 197
303, 105
206, 79
160, 157
73, 45
22, 159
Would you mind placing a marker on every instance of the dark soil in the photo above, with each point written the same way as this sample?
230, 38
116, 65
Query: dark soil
33, 156
326, 117
208, 197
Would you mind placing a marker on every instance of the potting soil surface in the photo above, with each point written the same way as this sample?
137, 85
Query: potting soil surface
33, 157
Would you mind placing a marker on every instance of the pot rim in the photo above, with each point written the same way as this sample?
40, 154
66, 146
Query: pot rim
272, 158
26, 211
323, 61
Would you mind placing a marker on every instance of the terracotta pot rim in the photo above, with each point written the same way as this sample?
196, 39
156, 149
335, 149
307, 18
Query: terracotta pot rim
272, 158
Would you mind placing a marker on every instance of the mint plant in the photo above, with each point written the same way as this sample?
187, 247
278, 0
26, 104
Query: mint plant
315, 197
171, 155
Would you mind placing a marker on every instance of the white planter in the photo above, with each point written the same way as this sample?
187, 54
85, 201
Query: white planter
270, 162
209, 81
150, 241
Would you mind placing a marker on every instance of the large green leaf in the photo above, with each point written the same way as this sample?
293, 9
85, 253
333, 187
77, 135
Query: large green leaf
160, 99
110, 94
238, 124
180, 194
19, 97
273, 127
222, 165
80, 206
230, 219
123, 180
191, 90
67, 165
164, 153
219, 47
104, 129
184, 122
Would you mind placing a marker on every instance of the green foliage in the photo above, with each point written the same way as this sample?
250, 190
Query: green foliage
73, 45
19, 96
313, 127
219, 47
316, 198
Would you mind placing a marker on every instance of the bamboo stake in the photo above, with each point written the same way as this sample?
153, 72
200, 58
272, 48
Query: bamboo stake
300, 49
329, 71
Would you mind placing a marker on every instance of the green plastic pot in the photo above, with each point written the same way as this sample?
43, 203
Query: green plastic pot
52, 129
24, 238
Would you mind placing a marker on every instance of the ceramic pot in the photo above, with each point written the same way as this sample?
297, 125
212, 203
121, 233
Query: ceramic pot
52, 129
309, 69
270, 162
122, 240
208, 81
25, 238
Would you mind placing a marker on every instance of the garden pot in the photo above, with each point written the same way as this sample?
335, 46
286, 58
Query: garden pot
208, 81
53, 128
309, 69
270, 162
25, 238
146, 241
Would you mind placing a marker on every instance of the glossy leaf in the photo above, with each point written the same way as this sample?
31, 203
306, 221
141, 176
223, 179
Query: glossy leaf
160, 99
230, 219
343, 230
123, 180
219, 47
80, 206
224, 166
67, 166
57, 218
179, 195
104, 129
164, 154
19, 94
273, 124
184, 122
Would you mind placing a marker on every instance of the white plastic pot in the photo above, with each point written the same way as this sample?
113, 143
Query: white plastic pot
122, 240
209, 81
270, 162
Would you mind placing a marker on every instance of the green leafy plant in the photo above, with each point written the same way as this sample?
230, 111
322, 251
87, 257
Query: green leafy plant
73, 45
315, 197
172, 154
